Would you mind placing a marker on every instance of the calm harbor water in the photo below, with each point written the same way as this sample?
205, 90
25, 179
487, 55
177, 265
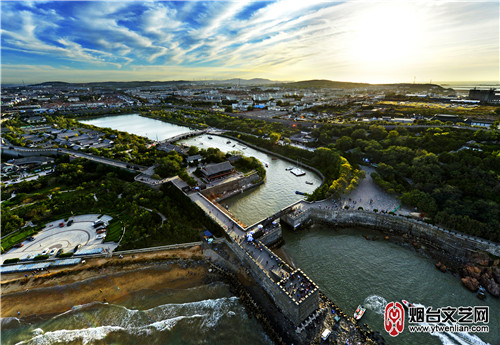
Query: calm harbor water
207, 314
349, 269
249, 207
267, 199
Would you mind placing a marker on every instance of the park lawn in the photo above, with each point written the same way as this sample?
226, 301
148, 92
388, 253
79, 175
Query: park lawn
9, 241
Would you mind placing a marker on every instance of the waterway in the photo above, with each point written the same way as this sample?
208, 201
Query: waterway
207, 314
351, 270
249, 207
135, 124
276, 193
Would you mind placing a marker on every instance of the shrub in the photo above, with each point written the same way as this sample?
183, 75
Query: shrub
375, 210
346, 207
65, 255
10, 261
360, 208
40, 257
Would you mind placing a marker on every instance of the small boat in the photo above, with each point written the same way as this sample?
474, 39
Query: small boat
228, 142
481, 293
267, 165
299, 193
407, 304
274, 158
358, 314
209, 137
289, 168
234, 145
297, 172
309, 182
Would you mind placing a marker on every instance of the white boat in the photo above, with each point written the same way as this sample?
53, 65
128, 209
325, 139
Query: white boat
297, 172
289, 168
406, 303
209, 137
358, 314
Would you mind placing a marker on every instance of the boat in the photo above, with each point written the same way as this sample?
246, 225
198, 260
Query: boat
297, 172
274, 158
481, 293
407, 304
299, 193
267, 165
358, 314
289, 168
209, 137
309, 182
228, 142
234, 145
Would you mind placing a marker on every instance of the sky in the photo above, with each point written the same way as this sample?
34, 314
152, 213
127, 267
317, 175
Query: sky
358, 40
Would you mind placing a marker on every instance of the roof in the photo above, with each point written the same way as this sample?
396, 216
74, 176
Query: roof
212, 169
193, 158
208, 233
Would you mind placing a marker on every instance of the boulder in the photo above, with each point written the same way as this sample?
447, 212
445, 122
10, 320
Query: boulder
470, 283
496, 274
442, 267
493, 287
471, 271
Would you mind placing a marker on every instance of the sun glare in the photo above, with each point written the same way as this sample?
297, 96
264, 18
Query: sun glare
386, 34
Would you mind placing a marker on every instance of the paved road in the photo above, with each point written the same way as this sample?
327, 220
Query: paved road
263, 256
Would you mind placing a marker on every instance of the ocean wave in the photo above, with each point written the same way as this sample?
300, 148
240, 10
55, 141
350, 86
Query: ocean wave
89, 335
9, 322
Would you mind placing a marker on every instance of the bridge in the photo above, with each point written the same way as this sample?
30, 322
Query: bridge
182, 136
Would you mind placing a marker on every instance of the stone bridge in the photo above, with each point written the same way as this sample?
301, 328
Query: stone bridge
182, 136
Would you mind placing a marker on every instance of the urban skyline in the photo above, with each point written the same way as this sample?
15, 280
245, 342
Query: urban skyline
372, 42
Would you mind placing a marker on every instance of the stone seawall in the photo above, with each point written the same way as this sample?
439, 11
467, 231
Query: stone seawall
454, 248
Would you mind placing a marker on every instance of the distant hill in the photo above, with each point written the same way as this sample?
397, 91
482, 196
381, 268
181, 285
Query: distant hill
324, 83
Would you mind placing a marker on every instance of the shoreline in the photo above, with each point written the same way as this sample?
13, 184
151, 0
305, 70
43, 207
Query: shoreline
107, 280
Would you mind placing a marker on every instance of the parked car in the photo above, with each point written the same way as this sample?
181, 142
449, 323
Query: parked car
99, 223
98, 237
69, 222
76, 248
18, 245
45, 251
100, 231
31, 238
52, 251
59, 252
61, 224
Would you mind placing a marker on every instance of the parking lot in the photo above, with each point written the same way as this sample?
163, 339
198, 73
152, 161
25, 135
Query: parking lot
58, 235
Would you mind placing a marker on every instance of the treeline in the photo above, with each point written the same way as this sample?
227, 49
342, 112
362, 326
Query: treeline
81, 187
451, 175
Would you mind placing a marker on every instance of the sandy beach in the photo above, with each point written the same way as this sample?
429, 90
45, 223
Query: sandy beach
103, 279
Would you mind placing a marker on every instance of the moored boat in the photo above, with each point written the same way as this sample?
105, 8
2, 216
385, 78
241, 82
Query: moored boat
309, 182
297, 172
358, 314
289, 168
228, 142
299, 193
481, 293
406, 303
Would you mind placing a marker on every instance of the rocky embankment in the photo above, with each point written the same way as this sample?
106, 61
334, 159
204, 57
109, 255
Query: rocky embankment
482, 271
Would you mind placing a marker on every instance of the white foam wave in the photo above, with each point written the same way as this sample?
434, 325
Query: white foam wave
375, 303
89, 335
450, 338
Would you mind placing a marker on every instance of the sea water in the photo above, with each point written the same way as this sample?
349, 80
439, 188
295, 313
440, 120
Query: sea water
207, 314
351, 271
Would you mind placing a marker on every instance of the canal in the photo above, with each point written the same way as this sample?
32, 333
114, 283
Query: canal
349, 269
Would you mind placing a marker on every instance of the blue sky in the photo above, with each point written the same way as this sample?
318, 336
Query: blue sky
368, 41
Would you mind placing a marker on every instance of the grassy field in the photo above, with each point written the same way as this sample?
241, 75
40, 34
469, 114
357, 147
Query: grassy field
428, 108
